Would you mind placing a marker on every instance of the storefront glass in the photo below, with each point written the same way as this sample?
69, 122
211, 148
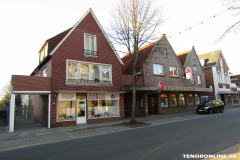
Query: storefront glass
191, 101
197, 99
173, 100
164, 100
235, 99
66, 110
102, 108
181, 100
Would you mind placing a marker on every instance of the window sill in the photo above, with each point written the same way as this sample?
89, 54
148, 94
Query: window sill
103, 117
158, 74
174, 76
87, 55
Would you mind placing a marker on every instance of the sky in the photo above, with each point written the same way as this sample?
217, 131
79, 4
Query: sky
26, 24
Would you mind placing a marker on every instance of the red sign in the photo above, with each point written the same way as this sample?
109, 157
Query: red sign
188, 73
161, 85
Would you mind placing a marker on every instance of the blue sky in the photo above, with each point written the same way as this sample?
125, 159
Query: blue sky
26, 24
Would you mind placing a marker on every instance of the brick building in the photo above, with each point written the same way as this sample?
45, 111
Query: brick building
235, 82
162, 86
217, 76
77, 77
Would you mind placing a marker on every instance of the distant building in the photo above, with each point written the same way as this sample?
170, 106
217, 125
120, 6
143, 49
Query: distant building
217, 77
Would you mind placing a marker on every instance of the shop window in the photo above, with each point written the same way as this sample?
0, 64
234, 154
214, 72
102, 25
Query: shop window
102, 108
199, 79
173, 100
164, 100
197, 99
173, 71
191, 101
181, 100
66, 110
158, 69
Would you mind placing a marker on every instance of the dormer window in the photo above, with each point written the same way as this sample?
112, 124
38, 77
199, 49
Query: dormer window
43, 52
90, 45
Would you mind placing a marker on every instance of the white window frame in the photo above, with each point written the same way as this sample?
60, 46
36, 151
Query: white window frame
95, 41
157, 69
192, 80
173, 74
45, 72
199, 79
90, 67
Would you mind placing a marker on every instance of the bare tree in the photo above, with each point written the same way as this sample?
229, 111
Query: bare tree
133, 25
234, 6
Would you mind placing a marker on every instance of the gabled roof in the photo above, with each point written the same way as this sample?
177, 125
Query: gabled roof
73, 28
182, 57
142, 56
211, 58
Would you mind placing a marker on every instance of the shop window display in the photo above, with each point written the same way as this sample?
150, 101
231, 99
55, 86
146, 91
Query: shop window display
181, 100
66, 110
173, 100
197, 99
191, 101
102, 108
164, 100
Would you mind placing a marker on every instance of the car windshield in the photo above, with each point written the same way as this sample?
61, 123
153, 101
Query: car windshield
206, 103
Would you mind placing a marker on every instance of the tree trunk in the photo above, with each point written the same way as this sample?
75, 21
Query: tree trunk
133, 120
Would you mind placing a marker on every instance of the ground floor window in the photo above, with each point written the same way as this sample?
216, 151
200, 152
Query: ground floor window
164, 100
173, 100
191, 101
102, 108
66, 110
197, 99
181, 100
235, 98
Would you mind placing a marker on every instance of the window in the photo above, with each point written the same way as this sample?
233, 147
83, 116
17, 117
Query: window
90, 45
192, 80
181, 100
44, 72
191, 102
173, 100
43, 53
199, 79
197, 99
164, 100
194, 62
102, 108
66, 110
226, 79
88, 73
219, 77
173, 71
158, 69
163, 52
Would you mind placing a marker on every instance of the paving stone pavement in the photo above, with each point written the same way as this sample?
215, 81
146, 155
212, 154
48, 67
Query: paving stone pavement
36, 136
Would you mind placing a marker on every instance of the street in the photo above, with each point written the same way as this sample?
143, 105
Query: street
205, 135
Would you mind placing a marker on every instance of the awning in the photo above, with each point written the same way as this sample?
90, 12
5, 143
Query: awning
81, 91
227, 92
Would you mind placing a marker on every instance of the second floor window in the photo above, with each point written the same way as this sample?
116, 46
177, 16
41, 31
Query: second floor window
158, 69
90, 45
173, 71
44, 72
199, 79
86, 72
192, 80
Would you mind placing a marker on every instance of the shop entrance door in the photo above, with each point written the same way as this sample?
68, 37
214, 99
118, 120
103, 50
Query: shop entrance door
81, 111
152, 105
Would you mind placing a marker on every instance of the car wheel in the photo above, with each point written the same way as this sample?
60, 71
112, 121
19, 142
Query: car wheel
222, 110
210, 111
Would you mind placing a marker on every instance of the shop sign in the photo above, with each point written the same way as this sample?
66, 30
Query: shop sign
96, 96
179, 88
103, 96
161, 85
67, 96
188, 73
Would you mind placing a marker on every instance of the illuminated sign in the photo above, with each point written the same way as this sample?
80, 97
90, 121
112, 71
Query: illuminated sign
67, 96
96, 96
188, 73
161, 85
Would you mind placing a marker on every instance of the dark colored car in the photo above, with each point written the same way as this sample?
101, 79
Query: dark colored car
210, 107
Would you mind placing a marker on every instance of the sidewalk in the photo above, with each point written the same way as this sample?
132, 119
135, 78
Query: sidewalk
32, 136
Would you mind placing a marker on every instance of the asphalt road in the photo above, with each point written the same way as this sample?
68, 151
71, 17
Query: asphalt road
206, 135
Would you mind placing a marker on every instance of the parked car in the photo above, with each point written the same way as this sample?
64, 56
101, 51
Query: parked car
210, 107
